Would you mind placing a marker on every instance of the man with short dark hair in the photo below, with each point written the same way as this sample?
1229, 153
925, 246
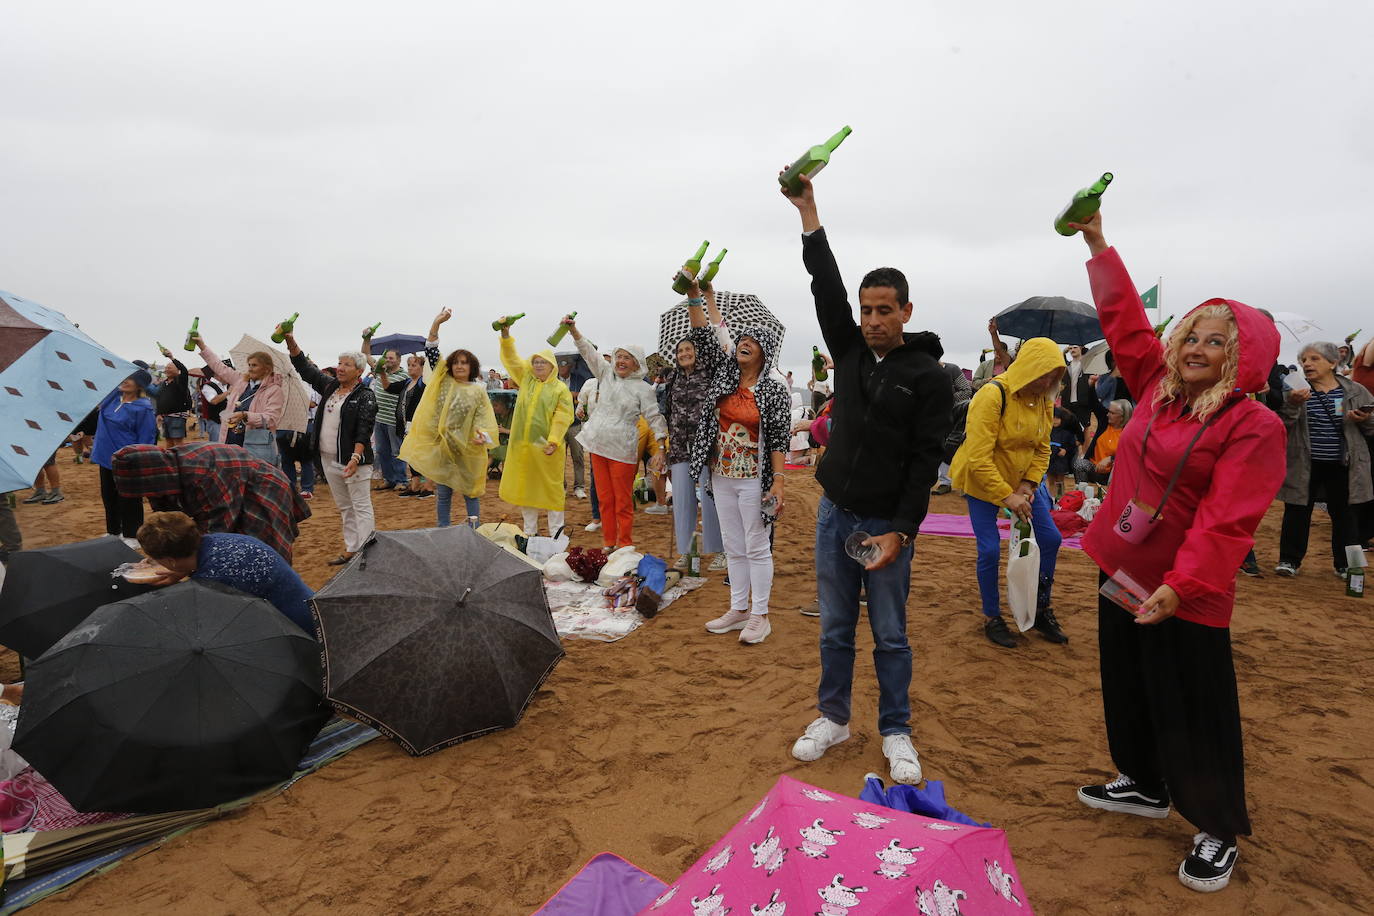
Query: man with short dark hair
892, 412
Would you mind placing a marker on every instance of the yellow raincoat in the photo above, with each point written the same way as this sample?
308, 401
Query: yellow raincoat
1004, 447
440, 442
543, 413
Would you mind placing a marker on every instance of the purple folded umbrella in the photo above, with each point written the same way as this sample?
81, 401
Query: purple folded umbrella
929, 801
606, 886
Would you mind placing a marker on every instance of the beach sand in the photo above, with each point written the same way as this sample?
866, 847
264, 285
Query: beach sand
652, 747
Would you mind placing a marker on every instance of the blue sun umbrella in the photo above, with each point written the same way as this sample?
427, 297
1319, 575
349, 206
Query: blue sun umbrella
51, 375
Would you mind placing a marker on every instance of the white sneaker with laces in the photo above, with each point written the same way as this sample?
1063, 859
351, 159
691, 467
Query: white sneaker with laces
594, 526
580, 493
657, 509
718, 562
680, 562
819, 737
131, 542
756, 630
901, 759
730, 620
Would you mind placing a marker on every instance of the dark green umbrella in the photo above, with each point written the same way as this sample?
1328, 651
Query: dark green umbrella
435, 636
186, 697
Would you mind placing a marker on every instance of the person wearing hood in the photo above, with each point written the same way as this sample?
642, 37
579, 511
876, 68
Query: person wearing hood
739, 447
453, 429
1002, 464
254, 405
893, 409
125, 417
611, 435
685, 406
1196, 470
535, 455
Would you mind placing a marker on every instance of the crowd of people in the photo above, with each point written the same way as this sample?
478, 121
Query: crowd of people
1186, 440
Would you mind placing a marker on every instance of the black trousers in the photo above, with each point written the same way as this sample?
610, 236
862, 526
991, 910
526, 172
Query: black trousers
123, 515
1173, 717
1331, 478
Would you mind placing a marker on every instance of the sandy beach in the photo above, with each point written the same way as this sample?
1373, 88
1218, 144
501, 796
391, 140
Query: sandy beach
652, 747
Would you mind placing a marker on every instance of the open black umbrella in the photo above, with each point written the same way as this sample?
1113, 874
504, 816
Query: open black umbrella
435, 636
50, 590
186, 697
1064, 321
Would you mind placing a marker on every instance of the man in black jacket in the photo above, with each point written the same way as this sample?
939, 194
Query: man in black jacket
892, 412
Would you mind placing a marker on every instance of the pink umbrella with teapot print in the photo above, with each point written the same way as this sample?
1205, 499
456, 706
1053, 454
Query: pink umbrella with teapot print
805, 850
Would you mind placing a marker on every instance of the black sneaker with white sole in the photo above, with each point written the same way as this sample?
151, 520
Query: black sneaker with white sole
1208, 867
1125, 796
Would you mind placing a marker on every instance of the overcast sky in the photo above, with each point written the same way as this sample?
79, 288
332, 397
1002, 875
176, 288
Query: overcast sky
375, 162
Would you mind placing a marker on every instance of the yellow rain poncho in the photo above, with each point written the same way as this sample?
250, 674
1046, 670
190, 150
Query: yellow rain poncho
440, 442
543, 413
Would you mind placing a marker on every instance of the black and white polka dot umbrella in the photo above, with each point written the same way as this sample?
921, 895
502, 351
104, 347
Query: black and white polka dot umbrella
738, 309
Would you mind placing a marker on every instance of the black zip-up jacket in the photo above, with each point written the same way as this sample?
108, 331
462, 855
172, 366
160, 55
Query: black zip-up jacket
357, 416
175, 396
890, 417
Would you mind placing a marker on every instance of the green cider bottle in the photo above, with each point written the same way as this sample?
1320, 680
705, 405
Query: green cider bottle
1084, 204
811, 162
682, 281
557, 336
714, 267
1354, 582
1163, 326
1024, 529
286, 327
505, 321
372, 330
818, 365
1350, 338
694, 559
192, 334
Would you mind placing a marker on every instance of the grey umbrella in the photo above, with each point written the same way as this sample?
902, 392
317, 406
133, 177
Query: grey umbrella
1064, 321
435, 636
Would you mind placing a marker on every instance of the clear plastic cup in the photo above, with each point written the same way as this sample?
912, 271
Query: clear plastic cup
856, 548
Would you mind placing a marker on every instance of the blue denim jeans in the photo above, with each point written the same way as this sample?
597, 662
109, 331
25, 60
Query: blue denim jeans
686, 495
983, 515
838, 580
443, 505
387, 444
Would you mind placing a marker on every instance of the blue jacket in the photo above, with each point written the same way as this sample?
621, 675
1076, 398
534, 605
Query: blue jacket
120, 423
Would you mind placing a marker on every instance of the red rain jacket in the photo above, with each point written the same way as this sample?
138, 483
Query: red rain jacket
1230, 479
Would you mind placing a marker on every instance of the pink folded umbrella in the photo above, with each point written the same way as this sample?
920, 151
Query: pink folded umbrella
805, 850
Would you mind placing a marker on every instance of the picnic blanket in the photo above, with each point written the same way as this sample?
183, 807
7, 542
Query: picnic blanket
581, 611
40, 863
959, 526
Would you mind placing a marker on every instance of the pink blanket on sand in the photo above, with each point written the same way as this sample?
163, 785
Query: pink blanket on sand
959, 526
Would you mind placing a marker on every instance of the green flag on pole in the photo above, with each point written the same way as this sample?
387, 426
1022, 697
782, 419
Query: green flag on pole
1150, 297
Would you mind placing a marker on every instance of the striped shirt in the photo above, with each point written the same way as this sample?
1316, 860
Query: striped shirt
386, 403
1324, 427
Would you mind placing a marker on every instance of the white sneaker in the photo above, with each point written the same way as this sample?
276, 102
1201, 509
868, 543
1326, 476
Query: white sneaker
131, 542
680, 562
901, 758
819, 737
580, 492
718, 562
594, 526
730, 620
657, 509
756, 630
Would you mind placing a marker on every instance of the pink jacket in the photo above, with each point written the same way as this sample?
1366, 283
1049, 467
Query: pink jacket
267, 405
1230, 479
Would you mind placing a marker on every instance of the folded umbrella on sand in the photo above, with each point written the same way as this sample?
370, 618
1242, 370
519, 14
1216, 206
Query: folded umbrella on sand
809, 850
185, 697
434, 636
50, 590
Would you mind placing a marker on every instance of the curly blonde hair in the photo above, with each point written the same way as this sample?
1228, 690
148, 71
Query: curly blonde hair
1171, 387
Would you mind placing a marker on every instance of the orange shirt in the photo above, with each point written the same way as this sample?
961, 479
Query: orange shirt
1107, 443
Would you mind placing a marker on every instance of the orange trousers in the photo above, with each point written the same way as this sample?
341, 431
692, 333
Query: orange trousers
615, 484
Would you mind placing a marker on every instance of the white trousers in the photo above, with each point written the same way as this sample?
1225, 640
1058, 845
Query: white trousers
531, 519
748, 554
353, 496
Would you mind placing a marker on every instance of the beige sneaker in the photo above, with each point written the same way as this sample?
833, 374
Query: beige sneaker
730, 620
680, 562
718, 562
756, 630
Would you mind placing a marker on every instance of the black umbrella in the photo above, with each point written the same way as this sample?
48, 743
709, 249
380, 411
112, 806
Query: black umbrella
50, 590
186, 697
435, 636
1064, 321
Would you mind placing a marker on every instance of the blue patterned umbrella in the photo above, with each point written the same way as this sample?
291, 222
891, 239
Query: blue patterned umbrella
51, 375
